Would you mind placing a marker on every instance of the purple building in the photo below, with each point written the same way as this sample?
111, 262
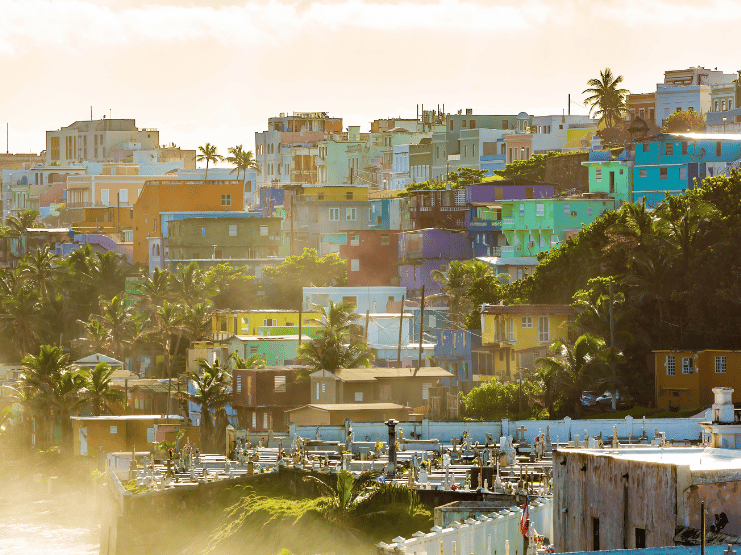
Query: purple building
424, 250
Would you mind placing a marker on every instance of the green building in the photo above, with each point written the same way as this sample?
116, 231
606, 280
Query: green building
276, 349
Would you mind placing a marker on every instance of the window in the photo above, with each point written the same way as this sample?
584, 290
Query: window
663, 173
232, 230
263, 231
154, 224
589, 210
123, 196
669, 148
253, 349
385, 240
670, 365
317, 391
683, 172
544, 329
334, 214
511, 328
595, 534
114, 429
104, 197
540, 209
527, 322
350, 214
643, 172
280, 384
324, 388
522, 211
354, 265
684, 147
723, 105
254, 419
265, 424
203, 232
432, 321
720, 365
640, 538
598, 174
566, 210
686, 365
226, 200
268, 322
358, 396
519, 273
239, 384
718, 148
245, 322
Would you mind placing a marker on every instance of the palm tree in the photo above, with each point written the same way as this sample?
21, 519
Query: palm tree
212, 393
606, 99
154, 289
98, 336
346, 492
246, 162
20, 318
99, 390
255, 360
334, 349
575, 367
208, 154
190, 285
236, 154
41, 270
59, 388
685, 225
118, 319
548, 377
21, 221
454, 283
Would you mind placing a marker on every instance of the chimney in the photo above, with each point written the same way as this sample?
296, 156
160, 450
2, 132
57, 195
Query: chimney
723, 406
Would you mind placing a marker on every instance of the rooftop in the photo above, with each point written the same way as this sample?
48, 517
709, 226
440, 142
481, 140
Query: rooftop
352, 406
697, 458
559, 309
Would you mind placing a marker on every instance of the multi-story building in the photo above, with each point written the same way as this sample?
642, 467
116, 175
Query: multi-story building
672, 162
423, 251
161, 196
389, 213
519, 334
725, 111
687, 89
685, 379
454, 352
365, 299
372, 258
239, 239
641, 105
610, 176
551, 133
226, 323
104, 140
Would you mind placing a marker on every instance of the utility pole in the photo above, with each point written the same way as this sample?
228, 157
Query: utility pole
401, 324
612, 362
421, 330
702, 527
300, 320
367, 319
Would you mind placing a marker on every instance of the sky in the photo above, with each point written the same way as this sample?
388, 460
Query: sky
215, 71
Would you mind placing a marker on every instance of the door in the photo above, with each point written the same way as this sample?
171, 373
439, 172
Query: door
83, 441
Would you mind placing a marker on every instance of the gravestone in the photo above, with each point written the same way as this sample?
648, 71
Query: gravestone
522, 429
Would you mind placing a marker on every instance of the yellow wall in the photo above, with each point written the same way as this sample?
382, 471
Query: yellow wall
696, 389
247, 322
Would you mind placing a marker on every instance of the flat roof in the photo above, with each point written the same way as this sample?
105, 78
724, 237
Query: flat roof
129, 417
697, 458
372, 374
338, 407
560, 309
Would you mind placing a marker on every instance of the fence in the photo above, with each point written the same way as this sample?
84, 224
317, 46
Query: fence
485, 535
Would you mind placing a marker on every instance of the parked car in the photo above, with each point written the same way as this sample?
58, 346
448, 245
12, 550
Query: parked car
604, 401
588, 398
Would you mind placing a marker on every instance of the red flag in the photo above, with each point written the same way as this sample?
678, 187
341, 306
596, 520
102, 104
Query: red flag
525, 517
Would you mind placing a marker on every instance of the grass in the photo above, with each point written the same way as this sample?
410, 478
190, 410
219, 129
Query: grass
640, 412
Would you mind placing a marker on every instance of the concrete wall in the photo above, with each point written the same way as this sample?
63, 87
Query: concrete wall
719, 497
621, 495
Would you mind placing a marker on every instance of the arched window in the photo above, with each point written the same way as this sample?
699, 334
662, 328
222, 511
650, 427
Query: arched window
722, 105
715, 108
730, 104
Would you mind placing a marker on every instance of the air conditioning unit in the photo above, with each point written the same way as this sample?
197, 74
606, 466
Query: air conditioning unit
573, 213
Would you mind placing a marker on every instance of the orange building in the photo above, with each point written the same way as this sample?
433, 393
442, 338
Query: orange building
685, 379
160, 196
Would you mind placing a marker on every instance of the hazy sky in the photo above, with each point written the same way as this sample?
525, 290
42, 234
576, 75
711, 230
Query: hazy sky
215, 71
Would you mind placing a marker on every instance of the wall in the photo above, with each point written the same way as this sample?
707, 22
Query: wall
622, 495
718, 497
486, 534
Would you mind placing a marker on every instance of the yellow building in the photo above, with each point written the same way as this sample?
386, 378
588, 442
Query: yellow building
224, 324
520, 334
685, 379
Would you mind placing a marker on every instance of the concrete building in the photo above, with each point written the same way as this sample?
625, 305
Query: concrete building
276, 349
365, 299
225, 323
104, 140
687, 89
372, 258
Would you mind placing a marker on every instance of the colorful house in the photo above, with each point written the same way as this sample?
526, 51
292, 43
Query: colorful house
262, 397
516, 330
670, 163
365, 299
275, 349
611, 177
226, 323
372, 258
685, 379
454, 352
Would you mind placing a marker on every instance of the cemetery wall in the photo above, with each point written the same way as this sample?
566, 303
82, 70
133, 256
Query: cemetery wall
483, 535
130, 523
565, 430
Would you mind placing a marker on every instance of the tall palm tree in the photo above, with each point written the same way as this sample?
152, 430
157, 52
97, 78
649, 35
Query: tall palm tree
577, 367
190, 284
59, 388
334, 348
154, 289
606, 99
234, 158
212, 393
454, 283
118, 319
98, 337
208, 154
20, 319
41, 270
246, 162
99, 390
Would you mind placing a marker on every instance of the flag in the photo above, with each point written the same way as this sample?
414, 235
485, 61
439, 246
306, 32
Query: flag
525, 517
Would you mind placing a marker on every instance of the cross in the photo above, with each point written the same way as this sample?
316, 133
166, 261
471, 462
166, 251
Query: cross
522, 429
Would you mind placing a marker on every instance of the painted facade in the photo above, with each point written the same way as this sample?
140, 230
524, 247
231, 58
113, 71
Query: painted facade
365, 299
454, 352
372, 258
248, 322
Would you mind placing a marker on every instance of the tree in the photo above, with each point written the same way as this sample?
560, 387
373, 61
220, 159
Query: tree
163, 323
21, 221
58, 387
334, 349
346, 492
463, 177
40, 269
208, 154
118, 319
235, 153
211, 394
687, 121
243, 160
454, 284
532, 169
21, 320
255, 360
98, 336
577, 367
606, 99
99, 390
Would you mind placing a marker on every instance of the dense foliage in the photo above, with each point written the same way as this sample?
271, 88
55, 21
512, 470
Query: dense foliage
687, 121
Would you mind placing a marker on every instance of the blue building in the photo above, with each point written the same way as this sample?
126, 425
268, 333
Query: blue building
454, 353
671, 162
